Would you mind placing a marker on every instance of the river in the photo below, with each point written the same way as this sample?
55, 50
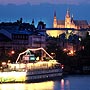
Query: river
74, 82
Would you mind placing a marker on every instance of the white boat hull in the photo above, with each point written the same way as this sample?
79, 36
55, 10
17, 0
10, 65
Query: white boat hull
28, 76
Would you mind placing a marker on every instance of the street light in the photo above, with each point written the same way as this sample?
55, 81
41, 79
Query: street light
12, 52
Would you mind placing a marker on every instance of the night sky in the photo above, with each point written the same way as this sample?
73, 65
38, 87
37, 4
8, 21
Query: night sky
11, 10
44, 1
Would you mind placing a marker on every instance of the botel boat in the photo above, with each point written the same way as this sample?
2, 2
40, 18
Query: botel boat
31, 65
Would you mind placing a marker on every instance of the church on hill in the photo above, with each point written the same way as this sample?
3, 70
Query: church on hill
69, 22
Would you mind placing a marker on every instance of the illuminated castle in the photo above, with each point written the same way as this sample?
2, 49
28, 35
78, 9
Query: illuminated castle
69, 22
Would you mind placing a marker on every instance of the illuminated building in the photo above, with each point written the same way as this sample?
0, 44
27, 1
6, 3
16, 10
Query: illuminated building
73, 31
69, 22
56, 32
68, 25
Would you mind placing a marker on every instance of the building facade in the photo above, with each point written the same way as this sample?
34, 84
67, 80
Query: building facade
69, 22
14, 38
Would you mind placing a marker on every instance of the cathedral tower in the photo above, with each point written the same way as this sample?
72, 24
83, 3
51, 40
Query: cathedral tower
55, 20
68, 20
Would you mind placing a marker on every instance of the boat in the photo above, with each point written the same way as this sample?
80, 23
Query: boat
32, 65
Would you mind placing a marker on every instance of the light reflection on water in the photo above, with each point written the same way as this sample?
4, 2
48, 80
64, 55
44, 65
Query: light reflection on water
29, 86
67, 83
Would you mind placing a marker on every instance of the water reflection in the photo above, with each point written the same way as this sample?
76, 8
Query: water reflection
65, 84
30, 86
68, 83
76, 82
62, 84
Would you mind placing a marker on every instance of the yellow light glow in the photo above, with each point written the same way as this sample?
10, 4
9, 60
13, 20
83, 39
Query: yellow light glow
31, 86
54, 33
12, 76
3, 63
15, 86
71, 51
69, 31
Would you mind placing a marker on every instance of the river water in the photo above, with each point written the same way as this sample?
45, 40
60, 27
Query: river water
75, 82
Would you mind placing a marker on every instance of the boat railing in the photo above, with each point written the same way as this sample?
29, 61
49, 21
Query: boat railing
32, 66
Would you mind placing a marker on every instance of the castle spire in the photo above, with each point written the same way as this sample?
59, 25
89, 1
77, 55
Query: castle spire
68, 19
54, 13
72, 18
68, 13
55, 20
72, 15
